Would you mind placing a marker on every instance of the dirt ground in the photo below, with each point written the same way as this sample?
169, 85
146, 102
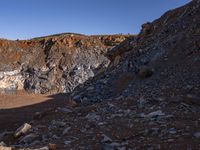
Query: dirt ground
17, 108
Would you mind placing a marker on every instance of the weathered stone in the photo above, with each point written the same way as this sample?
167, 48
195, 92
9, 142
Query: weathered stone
67, 142
28, 138
66, 130
155, 114
145, 72
22, 130
196, 134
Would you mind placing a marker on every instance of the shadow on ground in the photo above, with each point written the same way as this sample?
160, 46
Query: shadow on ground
12, 118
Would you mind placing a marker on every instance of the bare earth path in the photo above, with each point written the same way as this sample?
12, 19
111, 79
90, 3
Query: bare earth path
15, 109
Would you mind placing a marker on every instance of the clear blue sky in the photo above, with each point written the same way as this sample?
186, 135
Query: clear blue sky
24, 19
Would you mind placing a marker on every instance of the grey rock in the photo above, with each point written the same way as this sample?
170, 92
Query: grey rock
58, 123
66, 130
172, 131
22, 130
106, 139
28, 138
105, 146
93, 117
155, 114
65, 110
196, 134
67, 142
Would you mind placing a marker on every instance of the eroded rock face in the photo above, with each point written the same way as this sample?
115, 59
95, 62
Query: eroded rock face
165, 48
11, 81
55, 63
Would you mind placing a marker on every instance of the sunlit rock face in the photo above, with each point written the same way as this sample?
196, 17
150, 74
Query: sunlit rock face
11, 81
54, 64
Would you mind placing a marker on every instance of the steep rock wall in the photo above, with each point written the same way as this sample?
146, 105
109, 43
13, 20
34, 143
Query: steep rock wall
54, 64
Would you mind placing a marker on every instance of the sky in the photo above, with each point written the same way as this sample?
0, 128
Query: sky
25, 19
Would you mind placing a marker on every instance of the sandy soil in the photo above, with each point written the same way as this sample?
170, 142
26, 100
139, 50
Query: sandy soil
15, 109
20, 99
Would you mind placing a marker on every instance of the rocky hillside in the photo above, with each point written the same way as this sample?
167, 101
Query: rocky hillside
163, 56
147, 97
53, 64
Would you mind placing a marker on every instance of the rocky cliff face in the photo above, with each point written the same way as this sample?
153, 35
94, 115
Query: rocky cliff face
166, 47
55, 63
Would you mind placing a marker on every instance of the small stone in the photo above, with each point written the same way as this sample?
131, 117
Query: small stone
196, 135
92, 117
28, 138
172, 131
90, 88
22, 130
66, 130
58, 123
38, 115
56, 137
106, 138
141, 102
67, 142
170, 140
65, 110
52, 146
155, 114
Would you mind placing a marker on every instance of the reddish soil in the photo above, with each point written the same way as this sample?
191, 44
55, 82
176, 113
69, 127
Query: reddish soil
15, 109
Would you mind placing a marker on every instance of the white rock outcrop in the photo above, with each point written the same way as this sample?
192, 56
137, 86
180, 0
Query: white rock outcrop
11, 80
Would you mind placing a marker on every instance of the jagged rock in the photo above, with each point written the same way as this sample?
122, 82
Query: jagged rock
22, 130
146, 28
28, 138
